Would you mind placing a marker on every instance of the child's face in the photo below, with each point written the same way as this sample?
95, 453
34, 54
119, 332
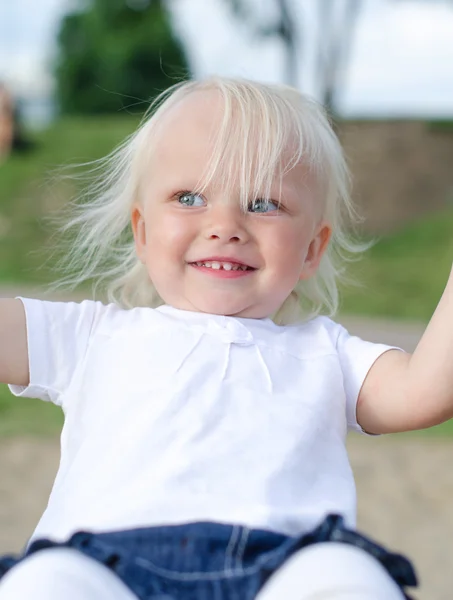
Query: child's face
196, 247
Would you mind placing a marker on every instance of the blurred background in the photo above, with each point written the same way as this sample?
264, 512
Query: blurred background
76, 77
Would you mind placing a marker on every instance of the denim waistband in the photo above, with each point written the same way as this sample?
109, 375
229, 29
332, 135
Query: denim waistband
192, 551
236, 559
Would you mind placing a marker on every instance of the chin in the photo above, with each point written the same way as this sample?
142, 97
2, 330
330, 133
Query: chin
230, 309
215, 309
220, 307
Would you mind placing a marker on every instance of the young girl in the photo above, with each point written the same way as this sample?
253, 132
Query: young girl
207, 404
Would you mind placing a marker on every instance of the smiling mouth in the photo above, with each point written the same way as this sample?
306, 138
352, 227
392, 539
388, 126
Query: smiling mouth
217, 265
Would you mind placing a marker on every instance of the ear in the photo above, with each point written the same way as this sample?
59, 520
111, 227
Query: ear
139, 231
316, 249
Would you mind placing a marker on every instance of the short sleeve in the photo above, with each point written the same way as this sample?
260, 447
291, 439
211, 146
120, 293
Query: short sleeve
356, 357
58, 334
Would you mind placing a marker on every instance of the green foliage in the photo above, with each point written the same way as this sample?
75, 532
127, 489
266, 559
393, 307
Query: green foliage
116, 54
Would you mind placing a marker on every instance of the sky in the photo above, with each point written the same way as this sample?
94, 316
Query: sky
401, 61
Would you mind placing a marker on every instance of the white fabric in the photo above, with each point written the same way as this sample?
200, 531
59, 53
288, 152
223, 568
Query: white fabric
62, 574
174, 416
331, 571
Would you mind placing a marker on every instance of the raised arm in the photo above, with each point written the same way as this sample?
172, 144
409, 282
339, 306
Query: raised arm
13, 343
403, 391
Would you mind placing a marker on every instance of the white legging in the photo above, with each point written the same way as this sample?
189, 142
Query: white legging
327, 571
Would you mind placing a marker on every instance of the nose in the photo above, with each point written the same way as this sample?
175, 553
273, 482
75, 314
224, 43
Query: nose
226, 223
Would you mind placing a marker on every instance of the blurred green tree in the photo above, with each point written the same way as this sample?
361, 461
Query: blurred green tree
114, 54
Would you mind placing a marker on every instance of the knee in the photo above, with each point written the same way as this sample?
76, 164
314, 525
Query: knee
337, 556
38, 572
62, 574
332, 570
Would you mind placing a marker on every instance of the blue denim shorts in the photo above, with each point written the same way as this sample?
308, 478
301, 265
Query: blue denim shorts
208, 561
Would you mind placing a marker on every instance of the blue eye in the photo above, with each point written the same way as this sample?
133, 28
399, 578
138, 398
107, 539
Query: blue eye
191, 199
261, 205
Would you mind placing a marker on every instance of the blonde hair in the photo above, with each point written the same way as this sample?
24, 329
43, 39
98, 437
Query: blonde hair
261, 124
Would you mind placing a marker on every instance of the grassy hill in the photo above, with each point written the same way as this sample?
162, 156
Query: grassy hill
30, 189
403, 275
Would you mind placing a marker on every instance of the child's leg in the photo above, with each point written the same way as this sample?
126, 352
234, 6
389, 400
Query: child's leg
62, 574
331, 571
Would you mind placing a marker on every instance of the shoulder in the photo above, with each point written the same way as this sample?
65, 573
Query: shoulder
112, 318
315, 337
318, 327
89, 316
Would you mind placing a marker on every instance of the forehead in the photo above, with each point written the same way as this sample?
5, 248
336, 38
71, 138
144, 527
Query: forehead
186, 143
189, 128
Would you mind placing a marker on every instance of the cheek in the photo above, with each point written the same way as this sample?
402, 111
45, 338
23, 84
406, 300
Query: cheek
288, 246
168, 236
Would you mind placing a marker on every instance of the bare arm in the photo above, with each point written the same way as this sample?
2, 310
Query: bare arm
14, 367
404, 392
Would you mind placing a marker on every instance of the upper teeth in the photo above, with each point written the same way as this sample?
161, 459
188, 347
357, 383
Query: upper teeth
227, 266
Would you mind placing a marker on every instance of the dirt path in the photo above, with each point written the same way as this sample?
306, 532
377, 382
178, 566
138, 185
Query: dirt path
405, 500
405, 489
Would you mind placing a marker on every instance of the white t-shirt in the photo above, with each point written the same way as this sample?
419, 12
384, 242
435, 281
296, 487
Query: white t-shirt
174, 416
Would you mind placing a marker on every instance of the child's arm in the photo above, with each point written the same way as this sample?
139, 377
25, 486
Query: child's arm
13, 343
402, 391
